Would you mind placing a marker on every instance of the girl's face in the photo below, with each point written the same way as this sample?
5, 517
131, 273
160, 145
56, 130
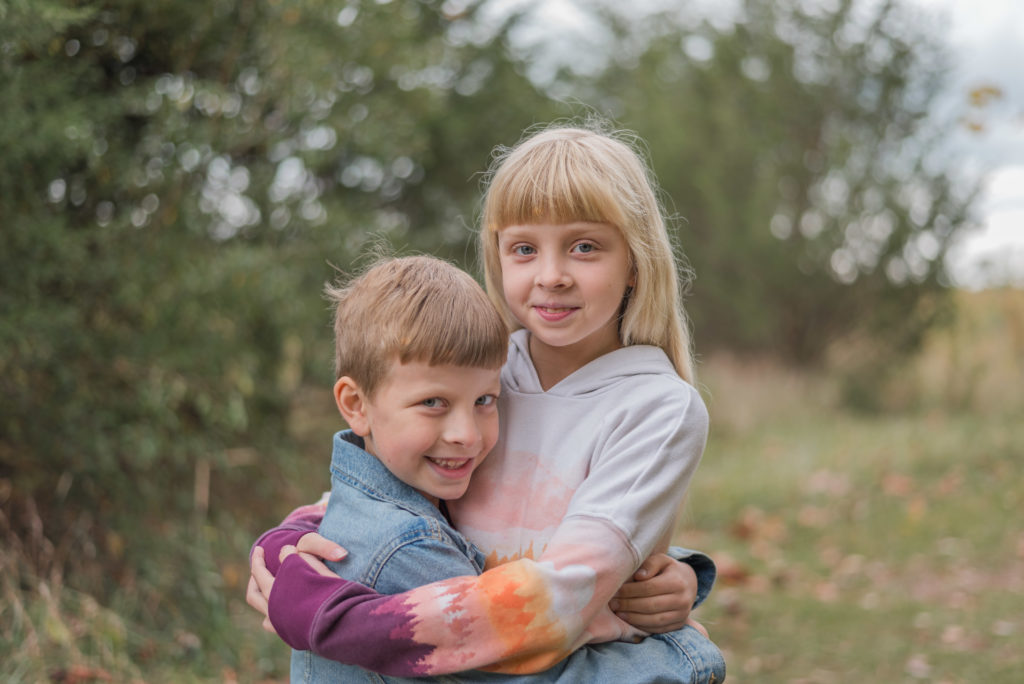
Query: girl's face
564, 283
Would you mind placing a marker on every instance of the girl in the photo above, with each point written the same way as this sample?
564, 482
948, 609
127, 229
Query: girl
601, 432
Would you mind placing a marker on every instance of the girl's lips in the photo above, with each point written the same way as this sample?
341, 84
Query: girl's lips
554, 313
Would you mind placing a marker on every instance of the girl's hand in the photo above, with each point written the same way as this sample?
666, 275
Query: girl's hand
261, 582
312, 544
312, 547
660, 596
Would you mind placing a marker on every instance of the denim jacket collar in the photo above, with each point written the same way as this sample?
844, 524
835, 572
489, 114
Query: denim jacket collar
358, 468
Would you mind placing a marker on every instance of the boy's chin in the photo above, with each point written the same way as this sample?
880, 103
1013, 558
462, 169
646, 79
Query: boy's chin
451, 493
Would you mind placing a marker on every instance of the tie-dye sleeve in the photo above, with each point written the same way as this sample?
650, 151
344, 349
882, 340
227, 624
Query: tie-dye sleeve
521, 617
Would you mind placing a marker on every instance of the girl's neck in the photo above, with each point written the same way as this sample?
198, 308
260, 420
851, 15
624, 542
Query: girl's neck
554, 364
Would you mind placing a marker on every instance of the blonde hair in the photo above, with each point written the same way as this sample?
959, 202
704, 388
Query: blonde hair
416, 308
567, 174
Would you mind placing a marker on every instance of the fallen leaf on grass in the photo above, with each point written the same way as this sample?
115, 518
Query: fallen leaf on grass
826, 592
78, 674
755, 524
895, 484
730, 571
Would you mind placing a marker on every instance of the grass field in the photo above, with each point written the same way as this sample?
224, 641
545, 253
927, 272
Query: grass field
883, 548
851, 548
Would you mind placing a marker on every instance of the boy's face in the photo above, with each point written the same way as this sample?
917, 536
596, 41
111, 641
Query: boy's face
431, 426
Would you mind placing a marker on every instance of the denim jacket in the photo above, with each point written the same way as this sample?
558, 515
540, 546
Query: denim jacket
398, 540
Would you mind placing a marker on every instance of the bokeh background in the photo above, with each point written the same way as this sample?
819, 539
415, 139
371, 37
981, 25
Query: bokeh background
179, 179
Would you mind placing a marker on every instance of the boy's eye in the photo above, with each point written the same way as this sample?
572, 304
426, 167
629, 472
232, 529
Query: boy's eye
486, 400
523, 250
584, 248
433, 402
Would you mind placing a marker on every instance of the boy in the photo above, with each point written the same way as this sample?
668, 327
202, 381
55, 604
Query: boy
418, 353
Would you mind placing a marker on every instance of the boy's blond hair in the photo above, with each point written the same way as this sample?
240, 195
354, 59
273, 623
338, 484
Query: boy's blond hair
563, 175
416, 308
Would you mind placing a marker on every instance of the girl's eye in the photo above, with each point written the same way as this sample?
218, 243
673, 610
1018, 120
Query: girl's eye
523, 250
433, 402
584, 248
486, 400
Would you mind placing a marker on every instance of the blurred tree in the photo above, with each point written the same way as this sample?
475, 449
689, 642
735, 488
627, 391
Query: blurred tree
797, 146
177, 181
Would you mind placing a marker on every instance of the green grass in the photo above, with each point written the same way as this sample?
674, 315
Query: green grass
856, 549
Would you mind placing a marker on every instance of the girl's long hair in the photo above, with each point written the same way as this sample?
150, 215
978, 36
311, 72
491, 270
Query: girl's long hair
565, 174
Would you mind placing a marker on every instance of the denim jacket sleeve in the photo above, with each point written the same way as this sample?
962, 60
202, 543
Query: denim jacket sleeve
702, 565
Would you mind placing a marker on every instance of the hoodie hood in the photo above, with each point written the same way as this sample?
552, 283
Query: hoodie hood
600, 375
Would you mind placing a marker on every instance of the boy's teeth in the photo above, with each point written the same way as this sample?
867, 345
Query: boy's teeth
447, 463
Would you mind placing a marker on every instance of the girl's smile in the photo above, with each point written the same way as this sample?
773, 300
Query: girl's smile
565, 284
554, 313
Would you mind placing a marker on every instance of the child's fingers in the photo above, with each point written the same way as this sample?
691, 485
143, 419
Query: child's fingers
660, 603
254, 597
647, 605
654, 586
631, 590
261, 582
652, 566
286, 551
321, 547
697, 626
317, 565
655, 623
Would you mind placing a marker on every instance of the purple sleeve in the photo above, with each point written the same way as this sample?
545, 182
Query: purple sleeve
299, 522
306, 608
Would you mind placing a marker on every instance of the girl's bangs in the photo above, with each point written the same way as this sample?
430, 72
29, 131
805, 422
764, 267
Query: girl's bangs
551, 193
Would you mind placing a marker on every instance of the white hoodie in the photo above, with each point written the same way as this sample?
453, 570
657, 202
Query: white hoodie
590, 473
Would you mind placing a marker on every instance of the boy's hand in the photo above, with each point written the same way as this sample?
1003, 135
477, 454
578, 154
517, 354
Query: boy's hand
660, 596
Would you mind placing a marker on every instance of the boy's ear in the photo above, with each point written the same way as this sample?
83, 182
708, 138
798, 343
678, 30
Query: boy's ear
352, 404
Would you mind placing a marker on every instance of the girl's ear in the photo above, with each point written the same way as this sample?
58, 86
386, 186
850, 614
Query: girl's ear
352, 404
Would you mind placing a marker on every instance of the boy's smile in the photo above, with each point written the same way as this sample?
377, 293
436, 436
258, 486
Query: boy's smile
431, 426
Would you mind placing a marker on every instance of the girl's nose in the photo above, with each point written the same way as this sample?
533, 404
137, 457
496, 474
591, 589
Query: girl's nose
551, 273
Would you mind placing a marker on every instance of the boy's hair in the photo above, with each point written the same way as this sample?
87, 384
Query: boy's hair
567, 174
416, 308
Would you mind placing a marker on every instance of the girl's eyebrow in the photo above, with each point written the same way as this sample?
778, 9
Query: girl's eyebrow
512, 233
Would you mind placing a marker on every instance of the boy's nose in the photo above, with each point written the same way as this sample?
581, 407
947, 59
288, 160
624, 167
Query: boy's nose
462, 430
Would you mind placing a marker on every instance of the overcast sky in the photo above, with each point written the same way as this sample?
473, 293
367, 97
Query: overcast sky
987, 37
